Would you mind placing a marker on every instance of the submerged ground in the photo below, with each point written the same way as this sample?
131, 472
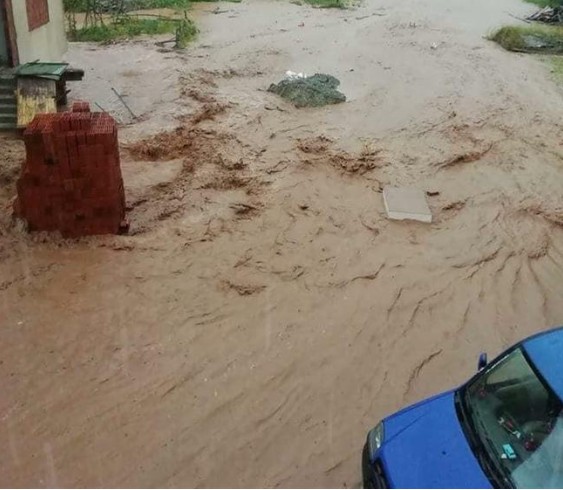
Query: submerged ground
263, 313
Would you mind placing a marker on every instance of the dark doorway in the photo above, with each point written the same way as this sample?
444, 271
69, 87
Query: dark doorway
8, 48
4, 50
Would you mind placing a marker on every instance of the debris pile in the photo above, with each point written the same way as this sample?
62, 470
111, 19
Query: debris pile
548, 15
71, 181
315, 91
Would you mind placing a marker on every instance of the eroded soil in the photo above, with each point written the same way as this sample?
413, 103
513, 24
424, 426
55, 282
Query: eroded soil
263, 313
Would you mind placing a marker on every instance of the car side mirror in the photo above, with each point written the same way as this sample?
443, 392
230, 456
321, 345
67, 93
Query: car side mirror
482, 361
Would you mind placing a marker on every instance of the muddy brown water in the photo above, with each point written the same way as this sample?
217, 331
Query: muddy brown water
263, 314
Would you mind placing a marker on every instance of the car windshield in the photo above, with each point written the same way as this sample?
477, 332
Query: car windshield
517, 421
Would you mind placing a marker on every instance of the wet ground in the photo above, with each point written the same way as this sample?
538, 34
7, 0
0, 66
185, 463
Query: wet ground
263, 313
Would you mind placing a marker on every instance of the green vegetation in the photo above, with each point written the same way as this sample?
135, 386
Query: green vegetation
107, 21
125, 5
74, 5
158, 4
129, 5
531, 39
546, 3
123, 29
327, 4
185, 32
557, 68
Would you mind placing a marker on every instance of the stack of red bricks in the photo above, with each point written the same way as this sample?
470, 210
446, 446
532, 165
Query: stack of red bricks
71, 181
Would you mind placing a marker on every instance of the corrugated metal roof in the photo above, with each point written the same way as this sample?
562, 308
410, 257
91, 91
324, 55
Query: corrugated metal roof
52, 71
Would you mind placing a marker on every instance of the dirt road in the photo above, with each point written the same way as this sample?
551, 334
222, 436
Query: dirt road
263, 314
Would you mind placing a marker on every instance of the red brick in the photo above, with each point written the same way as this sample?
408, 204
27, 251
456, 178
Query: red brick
71, 180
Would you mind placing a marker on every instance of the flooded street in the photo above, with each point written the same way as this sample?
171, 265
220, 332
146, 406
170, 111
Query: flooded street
263, 313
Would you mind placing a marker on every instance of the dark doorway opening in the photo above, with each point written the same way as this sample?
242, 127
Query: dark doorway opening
8, 49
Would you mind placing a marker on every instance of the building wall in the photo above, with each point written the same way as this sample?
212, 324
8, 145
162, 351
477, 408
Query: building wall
46, 43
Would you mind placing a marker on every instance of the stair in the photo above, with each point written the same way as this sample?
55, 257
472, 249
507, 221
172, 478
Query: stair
8, 102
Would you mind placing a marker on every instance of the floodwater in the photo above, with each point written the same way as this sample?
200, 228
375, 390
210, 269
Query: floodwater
263, 313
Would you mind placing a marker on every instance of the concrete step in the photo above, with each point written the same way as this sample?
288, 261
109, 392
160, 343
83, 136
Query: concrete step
7, 91
9, 119
6, 99
8, 108
8, 82
8, 102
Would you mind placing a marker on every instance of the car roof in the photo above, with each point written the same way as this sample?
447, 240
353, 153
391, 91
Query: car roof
545, 350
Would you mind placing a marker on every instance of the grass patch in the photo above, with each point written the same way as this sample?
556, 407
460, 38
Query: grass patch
557, 68
172, 4
158, 4
530, 39
328, 4
185, 32
546, 3
124, 29
81, 5
129, 5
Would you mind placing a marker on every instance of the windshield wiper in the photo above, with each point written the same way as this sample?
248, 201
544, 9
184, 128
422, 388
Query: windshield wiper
494, 468
495, 474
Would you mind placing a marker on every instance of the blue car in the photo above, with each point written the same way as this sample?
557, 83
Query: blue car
502, 429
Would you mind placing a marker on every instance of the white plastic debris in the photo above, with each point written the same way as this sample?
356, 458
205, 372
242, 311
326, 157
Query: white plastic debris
291, 75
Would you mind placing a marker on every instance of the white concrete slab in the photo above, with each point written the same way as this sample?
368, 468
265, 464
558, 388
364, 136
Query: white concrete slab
406, 203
